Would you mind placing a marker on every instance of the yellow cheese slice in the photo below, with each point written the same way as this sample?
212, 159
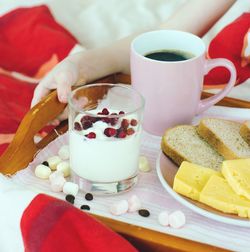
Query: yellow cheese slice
237, 174
218, 194
191, 178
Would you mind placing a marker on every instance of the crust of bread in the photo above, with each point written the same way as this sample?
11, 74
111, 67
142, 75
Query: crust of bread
170, 152
245, 132
215, 141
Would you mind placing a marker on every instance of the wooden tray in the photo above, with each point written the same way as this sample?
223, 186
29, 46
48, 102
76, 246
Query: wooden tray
22, 150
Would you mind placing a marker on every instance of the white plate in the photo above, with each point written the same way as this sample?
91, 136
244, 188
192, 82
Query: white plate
166, 171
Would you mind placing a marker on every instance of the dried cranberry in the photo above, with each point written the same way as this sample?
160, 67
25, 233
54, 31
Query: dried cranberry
130, 131
86, 118
121, 134
77, 126
86, 124
91, 135
113, 121
105, 111
133, 122
121, 113
124, 123
109, 132
106, 119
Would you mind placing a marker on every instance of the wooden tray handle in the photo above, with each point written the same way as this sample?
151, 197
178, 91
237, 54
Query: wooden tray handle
22, 148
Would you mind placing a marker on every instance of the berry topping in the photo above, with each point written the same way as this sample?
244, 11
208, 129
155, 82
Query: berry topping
125, 123
109, 132
113, 121
77, 126
105, 119
121, 134
86, 118
121, 113
133, 122
130, 131
86, 124
105, 111
91, 135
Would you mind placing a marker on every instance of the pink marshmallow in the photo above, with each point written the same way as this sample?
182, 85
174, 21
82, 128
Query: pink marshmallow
55, 175
120, 207
57, 181
134, 204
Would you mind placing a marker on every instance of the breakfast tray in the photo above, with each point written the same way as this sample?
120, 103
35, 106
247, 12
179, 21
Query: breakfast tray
199, 234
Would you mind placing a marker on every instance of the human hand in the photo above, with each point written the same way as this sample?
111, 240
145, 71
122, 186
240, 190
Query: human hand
62, 77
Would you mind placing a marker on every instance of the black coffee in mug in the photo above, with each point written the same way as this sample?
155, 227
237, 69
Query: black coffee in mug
169, 55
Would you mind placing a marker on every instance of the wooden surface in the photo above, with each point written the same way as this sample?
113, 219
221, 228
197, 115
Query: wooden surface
23, 149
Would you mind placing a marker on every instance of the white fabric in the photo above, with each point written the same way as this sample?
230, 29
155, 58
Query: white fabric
14, 199
96, 23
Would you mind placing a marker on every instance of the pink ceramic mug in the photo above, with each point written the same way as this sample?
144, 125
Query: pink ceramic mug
172, 89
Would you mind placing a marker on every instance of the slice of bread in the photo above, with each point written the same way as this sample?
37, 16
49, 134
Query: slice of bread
245, 131
182, 143
225, 137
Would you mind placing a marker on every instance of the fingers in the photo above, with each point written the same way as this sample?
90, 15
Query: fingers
62, 77
64, 82
39, 93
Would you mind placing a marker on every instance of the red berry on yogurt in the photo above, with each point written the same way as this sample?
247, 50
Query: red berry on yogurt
130, 131
77, 126
124, 123
121, 113
105, 111
91, 135
121, 134
133, 122
86, 124
109, 132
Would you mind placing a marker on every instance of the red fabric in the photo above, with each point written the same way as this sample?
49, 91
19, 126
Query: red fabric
228, 44
30, 38
49, 224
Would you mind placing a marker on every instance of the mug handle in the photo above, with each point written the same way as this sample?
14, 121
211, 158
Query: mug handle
210, 64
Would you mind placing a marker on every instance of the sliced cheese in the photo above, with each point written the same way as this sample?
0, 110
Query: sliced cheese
191, 178
218, 194
237, 174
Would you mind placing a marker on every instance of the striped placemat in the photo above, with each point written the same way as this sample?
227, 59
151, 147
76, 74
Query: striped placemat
154, 198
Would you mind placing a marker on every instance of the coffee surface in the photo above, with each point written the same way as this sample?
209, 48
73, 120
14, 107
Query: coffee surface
169, 55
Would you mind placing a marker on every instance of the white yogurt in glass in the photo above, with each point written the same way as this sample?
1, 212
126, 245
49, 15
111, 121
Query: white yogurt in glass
104, 159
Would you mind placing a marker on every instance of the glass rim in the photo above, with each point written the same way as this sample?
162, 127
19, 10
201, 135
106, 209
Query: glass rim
122, 85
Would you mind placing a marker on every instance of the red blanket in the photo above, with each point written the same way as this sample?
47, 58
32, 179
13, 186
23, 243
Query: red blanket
49, 224
31, 43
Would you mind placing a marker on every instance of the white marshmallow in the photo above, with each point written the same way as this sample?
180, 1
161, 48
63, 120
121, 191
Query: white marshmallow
63, 152
177, 219
163, 218
134, 204
64, 168
144, 165
42, 171
70, 188
120, 207
53, 162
